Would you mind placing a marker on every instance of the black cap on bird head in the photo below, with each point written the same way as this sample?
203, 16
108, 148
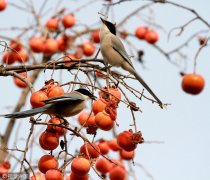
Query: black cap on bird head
86, 92
110, 26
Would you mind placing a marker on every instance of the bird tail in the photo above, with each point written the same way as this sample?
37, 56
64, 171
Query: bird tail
27, 113
138, 77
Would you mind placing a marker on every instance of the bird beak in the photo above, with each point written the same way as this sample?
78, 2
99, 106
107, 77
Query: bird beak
93, 97
102, 20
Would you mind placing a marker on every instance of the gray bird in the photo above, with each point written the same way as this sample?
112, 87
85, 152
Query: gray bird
67, 105
114, 53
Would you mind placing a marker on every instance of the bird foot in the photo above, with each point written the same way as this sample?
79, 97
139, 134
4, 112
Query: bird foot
65, 122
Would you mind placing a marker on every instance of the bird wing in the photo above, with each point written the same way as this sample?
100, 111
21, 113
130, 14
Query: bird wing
66, 97
119, 47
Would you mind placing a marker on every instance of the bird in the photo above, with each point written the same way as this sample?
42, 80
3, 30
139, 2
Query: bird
66, 105
114, 53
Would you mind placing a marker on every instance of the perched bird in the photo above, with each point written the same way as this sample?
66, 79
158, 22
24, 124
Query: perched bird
114, 53
67, 105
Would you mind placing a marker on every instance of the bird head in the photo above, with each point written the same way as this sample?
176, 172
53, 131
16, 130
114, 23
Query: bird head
87, 93
110, 26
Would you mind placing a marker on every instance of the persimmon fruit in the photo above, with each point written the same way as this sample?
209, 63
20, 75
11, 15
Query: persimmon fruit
80, 166
49, 140
193, 83
151, 37
92, 149
68, 20
141, 32
37, 99
125, 141
54, 174
47, 162
104, 121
